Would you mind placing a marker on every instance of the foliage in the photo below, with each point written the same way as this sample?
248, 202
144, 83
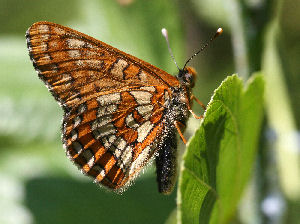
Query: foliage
219, 158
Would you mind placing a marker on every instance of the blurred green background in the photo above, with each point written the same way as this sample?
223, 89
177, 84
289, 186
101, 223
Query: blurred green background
38, 184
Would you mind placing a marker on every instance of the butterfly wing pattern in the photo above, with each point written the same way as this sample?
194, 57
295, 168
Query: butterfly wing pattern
119, 111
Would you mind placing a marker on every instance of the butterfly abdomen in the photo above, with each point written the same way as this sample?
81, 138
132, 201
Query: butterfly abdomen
166, 159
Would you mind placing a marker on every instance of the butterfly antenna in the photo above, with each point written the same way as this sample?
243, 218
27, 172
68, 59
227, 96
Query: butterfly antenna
165, 34
218, 33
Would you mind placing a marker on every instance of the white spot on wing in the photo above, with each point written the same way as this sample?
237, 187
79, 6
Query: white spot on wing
120, 143
74, 135
166, 98
75, 43
94, 63
130, 122
145, 111
112, 98
80, 62
140, 160
100, 170
144, 130
108, 141
45, 37
43, 28
88, 155
143, 76
126, 158
82, 108
148, 88
105, 110
102, 121
102, 173
77, 121
74, 53
142, 97
43, 47
117, 153
59, 31
117, 70
104, 130
112, 138
88, 45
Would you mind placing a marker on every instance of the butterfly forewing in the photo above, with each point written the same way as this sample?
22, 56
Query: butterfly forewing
75, 66
114, 103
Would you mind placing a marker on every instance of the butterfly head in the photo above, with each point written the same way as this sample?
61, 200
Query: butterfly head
187, 76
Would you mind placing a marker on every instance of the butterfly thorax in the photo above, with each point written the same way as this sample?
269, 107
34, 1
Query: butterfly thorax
180, 103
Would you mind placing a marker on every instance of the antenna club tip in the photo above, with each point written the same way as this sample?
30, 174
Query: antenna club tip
219, 31
164, 32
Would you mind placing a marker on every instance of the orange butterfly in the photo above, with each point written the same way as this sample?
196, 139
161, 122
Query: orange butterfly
119, 111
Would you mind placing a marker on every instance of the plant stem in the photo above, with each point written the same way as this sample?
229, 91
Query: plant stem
239, 39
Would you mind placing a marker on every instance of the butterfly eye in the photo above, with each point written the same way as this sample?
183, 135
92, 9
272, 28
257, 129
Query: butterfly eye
190, 76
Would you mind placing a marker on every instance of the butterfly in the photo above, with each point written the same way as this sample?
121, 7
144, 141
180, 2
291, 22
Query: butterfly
120, 112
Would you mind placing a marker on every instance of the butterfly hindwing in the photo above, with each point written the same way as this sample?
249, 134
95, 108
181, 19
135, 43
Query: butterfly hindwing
113, 136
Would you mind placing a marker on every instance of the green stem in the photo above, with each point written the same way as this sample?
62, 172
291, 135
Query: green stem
279, 111
239, 40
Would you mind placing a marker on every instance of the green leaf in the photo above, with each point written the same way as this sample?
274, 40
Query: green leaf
219, 158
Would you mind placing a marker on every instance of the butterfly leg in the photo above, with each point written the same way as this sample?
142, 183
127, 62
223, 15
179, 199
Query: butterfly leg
194, 115
200, 103
177, 124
